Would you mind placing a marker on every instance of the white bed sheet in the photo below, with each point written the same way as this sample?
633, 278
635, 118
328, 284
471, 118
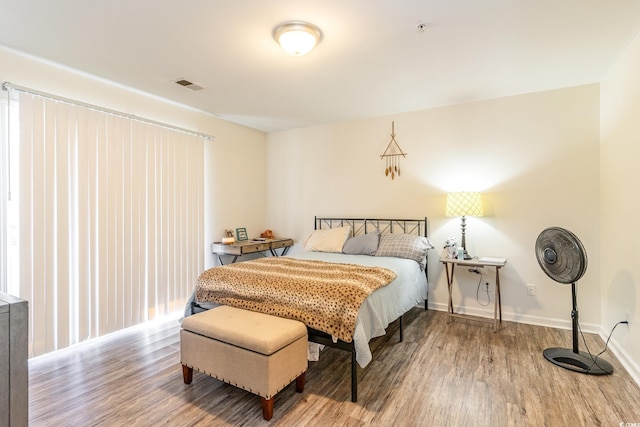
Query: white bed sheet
384, 305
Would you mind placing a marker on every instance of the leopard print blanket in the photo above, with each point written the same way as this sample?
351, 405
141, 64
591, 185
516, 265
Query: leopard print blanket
324, 296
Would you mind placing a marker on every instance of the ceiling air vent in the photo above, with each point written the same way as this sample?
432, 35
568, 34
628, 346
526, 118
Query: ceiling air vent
188, 84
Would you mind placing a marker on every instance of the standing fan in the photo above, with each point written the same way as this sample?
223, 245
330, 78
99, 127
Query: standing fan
563, 258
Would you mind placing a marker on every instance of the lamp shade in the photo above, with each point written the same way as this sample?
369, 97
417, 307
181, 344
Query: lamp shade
464, 204
297, 37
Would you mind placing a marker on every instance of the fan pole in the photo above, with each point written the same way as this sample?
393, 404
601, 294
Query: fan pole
574, 318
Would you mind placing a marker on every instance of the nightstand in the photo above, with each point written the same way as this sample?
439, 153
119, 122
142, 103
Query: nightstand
481, 262
250, 247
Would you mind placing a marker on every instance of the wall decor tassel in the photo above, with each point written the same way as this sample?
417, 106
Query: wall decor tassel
392, 155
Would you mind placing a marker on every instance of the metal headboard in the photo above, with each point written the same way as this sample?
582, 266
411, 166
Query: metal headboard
417, 227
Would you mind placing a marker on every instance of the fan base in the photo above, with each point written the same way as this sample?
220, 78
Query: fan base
578, 362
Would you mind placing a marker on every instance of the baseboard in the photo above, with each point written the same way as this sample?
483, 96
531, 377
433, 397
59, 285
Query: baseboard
627, 362
519, 318
625, 359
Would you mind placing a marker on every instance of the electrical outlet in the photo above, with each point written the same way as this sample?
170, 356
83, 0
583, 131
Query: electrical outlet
531, 290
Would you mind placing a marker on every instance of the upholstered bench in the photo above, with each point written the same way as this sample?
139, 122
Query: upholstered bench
257, 352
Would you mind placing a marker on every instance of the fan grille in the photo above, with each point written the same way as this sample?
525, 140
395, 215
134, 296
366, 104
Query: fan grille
561, 255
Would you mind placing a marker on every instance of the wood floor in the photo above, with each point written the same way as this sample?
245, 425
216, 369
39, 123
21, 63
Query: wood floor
457, 374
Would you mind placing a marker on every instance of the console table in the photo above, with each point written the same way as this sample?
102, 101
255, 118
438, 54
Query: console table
246, 247
498, 263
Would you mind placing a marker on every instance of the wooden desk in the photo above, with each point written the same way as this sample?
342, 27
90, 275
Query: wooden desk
480, 262
251, 246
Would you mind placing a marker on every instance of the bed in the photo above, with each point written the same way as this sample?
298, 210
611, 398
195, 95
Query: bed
398, 245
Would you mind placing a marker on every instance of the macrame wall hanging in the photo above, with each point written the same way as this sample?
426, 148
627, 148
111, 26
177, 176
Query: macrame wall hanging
392, 155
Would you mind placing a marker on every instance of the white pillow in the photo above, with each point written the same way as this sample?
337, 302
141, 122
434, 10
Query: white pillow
327, 240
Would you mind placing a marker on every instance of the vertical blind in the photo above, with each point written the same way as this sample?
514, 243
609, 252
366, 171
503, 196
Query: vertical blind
111, 219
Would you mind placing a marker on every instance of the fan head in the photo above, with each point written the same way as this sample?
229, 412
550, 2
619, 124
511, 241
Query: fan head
561, 255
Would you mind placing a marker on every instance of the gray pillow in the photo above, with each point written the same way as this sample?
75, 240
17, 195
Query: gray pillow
404, 246
366, 244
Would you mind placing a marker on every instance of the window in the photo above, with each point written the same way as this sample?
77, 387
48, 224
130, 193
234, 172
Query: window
102, 218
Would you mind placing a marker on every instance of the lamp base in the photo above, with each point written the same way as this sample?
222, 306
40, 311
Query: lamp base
463, 225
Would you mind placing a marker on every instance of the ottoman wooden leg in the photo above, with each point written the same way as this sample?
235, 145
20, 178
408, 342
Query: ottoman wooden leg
300, 383
187, 374
267, 408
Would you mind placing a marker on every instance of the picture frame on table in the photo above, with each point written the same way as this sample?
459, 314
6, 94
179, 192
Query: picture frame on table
241, 234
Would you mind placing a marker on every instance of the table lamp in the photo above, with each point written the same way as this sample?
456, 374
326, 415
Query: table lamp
464, 204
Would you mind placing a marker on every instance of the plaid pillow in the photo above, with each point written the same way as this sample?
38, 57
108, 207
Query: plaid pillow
404, 246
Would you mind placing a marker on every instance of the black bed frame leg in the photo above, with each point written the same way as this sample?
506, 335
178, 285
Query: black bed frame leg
401, 334
354, 378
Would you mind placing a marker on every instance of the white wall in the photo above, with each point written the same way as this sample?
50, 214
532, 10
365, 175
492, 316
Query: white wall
620, 202
534, 157
235, 181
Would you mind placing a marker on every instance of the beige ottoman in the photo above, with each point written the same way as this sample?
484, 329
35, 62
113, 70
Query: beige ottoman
256, 352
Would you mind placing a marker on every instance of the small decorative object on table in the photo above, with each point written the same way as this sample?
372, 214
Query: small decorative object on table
228, 238
267, 234
241, 234
450, 247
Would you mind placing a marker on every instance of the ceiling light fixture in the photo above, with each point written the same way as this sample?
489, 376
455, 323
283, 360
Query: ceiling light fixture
296, 37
